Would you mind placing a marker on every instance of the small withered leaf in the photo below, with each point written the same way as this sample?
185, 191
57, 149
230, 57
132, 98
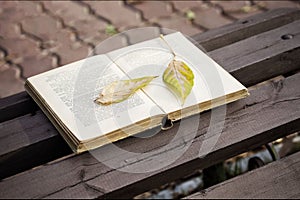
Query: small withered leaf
119, 91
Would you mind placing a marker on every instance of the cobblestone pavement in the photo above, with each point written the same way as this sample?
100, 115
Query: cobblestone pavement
40, 35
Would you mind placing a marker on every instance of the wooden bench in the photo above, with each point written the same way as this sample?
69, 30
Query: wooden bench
280, 179
35, 162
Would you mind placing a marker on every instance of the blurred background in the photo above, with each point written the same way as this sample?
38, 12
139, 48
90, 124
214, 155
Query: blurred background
36, 36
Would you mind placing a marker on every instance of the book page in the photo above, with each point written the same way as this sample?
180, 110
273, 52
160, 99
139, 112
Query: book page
70, 92
152, 58
148, 58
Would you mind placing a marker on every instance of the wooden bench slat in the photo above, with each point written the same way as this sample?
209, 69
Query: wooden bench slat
14, 146
15, 106
17, 138
21, 104
245, 129
266, 55
271, 112
280, 179
270, 104
24, 131
246, 28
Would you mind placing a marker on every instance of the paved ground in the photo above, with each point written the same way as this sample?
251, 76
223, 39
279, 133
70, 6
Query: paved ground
40, 35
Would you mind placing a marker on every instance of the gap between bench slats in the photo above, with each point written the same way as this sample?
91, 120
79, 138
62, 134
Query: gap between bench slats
21, 104
282, 59
271, 112
280, 179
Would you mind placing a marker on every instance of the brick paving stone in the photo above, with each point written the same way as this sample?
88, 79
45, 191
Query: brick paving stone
7, 5
238, 9
243, 14
36, 64
55, 39
2, 55
154, 9
12, 12
209, 17
68, 11
186, 5
179, 23
96, 39
133, 2
7, 10
68, 50
231, 6
16, 52
27, 54
27, 8
43, 26
10, 81
110, 44
8, 30
142, 34
144, 24
89, 28
277, 4
3, 64
88, 20
116, 12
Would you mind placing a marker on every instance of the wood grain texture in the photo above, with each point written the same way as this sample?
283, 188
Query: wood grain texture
21, 104
15, 106
250, 63
246, 28
280, 179
17, 138
266, 55
270, 112
284, 61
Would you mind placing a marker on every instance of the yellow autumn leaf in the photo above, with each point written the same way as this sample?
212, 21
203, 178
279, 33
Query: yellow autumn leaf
119, 91
179, 78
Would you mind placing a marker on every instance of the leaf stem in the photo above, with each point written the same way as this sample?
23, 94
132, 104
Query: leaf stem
163, 39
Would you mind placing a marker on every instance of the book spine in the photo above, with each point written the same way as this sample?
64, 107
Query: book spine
166, 123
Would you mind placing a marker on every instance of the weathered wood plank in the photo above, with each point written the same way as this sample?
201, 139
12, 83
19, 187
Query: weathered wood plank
261, 53
283, 59
21, 104
18, 135
15, 106
247, 27
270, 112
24, 132
280, 179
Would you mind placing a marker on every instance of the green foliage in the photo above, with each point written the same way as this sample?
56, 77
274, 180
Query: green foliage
111, 30
190, 15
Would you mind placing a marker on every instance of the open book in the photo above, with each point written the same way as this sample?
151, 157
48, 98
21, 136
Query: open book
66, 94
